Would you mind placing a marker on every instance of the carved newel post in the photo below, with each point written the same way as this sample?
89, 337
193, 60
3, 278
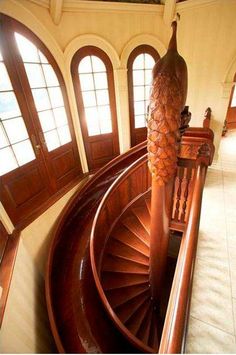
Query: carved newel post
168, 95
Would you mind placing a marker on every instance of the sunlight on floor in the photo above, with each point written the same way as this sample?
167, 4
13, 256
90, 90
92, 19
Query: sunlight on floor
212, 325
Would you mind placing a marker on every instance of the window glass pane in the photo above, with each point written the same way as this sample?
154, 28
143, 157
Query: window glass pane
52, 140
85, 65
104, 112
28, 51
146, 103
138, 77
98, 65
35, 75
5, 83
56, 97
92, 120
86, 82
139, 93
46, 120
24, 152
233, 102
147, 92
64, 134
100, 80
140, 121
43, 59
60, 116
149, 61
15, 129
139, 62
148, 77
102, 97
50, 76
93, 127
105, 126
139, 108
8, 105
89, 98
3, 139
41, 99
8, 161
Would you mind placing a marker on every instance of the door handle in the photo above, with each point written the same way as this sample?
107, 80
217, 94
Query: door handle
36, 146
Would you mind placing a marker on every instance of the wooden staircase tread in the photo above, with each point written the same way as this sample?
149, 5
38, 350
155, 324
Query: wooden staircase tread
132, 223
134, 322
118, 264
153, 340
119, 296
128, 309
144, 329
117, 248
111, 280
127, 237
143, 216
148, 204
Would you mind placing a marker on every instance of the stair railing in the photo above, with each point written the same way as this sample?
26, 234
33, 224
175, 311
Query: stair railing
173, 334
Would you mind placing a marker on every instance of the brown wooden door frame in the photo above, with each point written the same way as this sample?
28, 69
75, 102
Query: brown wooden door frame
138, 135
102, 141
53, 170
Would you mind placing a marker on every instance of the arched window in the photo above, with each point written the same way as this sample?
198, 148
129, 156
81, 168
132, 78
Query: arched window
140, 64
92, 74
38, 151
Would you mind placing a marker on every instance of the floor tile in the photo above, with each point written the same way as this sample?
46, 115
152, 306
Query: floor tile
205, 339
211, 297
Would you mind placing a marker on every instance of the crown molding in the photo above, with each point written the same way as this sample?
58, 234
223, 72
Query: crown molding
107, 6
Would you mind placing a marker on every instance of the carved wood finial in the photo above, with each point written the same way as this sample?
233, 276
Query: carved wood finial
168, 95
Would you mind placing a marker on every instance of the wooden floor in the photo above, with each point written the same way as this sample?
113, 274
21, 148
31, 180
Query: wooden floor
213, 307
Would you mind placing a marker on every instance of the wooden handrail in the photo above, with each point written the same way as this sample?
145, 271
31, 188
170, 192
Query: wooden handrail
173, 330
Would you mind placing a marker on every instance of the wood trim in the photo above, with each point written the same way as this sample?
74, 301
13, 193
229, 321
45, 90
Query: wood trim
49, 202
79, 55
143, 48
6, 269
172, 334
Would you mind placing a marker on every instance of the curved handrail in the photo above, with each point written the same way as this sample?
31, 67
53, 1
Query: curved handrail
173, 330
80, 207
96, 243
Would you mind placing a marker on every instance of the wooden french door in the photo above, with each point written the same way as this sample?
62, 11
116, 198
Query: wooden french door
231, 113
94, 88
38, 151
140, 64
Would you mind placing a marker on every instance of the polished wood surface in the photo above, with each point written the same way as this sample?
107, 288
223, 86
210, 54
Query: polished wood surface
167, 100
7, 265
27, 187
78, 321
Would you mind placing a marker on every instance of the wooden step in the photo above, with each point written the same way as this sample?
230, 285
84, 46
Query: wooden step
144, 329
143, 215
132, 223
148, 204
111, 280
116, 248
126, 237
153, 340
118, 264
128, 309
134, 322
119, 296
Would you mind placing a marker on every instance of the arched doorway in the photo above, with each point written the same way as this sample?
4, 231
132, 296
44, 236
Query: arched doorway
92, 74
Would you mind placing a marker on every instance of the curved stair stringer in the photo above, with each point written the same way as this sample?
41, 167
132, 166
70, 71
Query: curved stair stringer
78, 319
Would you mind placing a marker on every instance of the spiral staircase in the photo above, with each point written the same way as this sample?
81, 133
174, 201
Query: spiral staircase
97, 282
